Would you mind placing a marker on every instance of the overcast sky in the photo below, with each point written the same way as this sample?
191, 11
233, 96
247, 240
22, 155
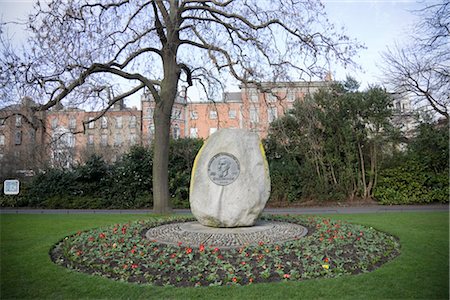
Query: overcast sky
375, 23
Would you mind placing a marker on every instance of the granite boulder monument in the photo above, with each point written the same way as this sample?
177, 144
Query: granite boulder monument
230, 182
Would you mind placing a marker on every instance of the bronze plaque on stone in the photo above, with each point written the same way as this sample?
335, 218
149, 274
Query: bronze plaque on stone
223, 169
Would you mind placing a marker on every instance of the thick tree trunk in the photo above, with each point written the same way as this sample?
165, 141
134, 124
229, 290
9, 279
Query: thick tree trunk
161, 197
162, 114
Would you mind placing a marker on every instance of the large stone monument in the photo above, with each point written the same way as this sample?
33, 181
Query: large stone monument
230, 181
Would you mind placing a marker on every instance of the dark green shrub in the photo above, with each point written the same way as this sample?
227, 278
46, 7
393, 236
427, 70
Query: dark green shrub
419, 175
130, 179
402, 185
411, 183
52, 183
181, 159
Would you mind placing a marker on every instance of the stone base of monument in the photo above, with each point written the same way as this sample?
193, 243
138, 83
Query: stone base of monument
194, 234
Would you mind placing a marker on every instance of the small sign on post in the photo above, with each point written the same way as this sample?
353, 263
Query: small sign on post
11, 187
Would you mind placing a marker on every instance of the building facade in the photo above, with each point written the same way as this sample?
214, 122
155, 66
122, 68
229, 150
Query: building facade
62, 137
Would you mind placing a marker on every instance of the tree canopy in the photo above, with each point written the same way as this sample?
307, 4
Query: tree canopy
422, 67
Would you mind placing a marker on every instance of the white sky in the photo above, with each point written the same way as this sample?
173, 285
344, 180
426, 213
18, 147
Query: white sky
375, 23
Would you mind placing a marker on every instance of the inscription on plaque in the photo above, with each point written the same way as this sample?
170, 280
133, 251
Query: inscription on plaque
223, 169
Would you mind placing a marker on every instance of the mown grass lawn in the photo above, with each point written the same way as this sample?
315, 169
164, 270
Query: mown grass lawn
421, 270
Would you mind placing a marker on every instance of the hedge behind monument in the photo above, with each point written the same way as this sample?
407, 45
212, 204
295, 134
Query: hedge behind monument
96, 184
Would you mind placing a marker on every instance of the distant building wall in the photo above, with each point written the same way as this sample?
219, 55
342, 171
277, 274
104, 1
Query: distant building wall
60, 138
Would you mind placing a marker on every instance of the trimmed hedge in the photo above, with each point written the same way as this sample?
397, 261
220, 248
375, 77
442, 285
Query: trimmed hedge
96, 184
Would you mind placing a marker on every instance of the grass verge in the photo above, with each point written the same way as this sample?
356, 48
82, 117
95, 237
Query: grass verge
421, 270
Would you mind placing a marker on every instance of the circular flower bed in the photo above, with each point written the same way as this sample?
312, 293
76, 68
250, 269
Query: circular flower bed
331, 249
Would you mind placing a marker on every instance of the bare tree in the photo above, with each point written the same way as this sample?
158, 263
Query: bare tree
79, 50
423, 67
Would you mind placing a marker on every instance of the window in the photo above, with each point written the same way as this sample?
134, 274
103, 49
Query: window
2, 140
18, 138
90, 140
212, 130
194, 115
254, 115
18, 120
194, 132
232, 114
132, 121
271, 97
176, 114
176, 132
118, 139
133, 139
104, 123
119, 122
272, 114
213, 114
290, 95
91, 125
104, 140
54, 123
72, 123
70, 140
149, 113
151, 129
253, 95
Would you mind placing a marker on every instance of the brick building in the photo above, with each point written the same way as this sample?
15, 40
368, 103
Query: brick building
253, 108
62, 137
22, 140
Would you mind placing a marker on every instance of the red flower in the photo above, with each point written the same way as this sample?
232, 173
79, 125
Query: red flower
188, 250
132, 251
173, 255
250, 280
125, 266
134, 266
326, 259
124, 230
202, 248
243, 263
234, 279
287, 276
102, 235
79, 252
91, 239
216, 250
261, 243
179, 244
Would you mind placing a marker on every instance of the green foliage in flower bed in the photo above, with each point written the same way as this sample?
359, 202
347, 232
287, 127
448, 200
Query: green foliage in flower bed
331, 249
